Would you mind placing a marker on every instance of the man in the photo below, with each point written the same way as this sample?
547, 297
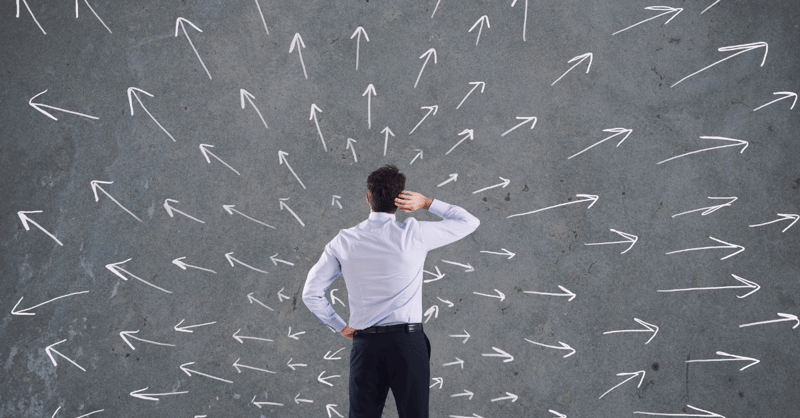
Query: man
381, 260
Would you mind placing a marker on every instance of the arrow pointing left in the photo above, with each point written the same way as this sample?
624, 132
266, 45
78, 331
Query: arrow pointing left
25, 2
179, 22
25, 219
151, 396
96, 186
39, 106
14, 310
49, 350
114, 268
170, 209
206, 153
189, 372
128, 334
131, 94
183, 265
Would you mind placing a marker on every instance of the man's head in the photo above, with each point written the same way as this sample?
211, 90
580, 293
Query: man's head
383, 186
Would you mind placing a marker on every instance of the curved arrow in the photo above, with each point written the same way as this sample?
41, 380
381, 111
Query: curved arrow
741, 48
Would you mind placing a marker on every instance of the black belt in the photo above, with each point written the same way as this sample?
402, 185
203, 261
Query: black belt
386, 329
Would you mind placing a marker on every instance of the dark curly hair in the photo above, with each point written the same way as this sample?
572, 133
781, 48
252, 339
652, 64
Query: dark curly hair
383, 186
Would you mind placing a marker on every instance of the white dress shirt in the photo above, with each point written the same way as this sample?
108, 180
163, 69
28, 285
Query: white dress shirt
381, 260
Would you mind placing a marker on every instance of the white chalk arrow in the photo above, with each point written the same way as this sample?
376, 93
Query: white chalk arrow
566, 293
431, 109
170, 209
503, 185
23, 216
230, 209
438, 275
284, 205
244, 94
298, 400
437, 381
331, 410
313, 116
49, 350
710, 6
786, 317
297, 42
179, 23
556, 413
260, 404
331, 356
585, 198
783, 217
499, 353
580, 59
727, 245
95, 14
14, 310
474, 415
747, 285
524, 119
481, 21
282, 160
419, 155
241, 339
665, 9
293, 365
358, 32
475, 86
25, 2
334, 299
350, 146
525, 19
335, 201
265, 28
278, 260
433, 311
188, 328
464, 393
468, 134
295, 335
325, 379
705, 414
281, 296
735, 143
453, 177
629, 238
648, 328
369, 92
230, 259
239, 367
733, 357
509, 396
206, 153
632, 376
387, 132
152, 396
39, 106
741, 48
468, 267
787, 94
499, 295
129, 334
427, 56
458, 362
189, 372
132, 94
710, 209
465, 336
114, 268
505, 252
184, 266
252, 299
96, 186
556, 347
618, 131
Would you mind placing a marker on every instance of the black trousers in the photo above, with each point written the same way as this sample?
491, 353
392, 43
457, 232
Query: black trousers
398, 361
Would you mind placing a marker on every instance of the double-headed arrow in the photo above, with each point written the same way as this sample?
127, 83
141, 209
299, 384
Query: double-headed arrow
23, 216
179, 23
585, 198
741, 48
132, 94
39, 106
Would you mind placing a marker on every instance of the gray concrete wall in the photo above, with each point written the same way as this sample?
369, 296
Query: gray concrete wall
629, 83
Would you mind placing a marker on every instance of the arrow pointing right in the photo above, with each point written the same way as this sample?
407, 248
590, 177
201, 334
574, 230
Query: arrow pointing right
783, 217
453, 177
741, 48
733, 357
787, 94
561, 347
580, 59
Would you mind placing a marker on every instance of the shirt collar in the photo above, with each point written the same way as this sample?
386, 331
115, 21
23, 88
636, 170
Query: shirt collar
381, 217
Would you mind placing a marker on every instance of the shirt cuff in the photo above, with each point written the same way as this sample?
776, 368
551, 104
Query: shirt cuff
337, 324
438, 208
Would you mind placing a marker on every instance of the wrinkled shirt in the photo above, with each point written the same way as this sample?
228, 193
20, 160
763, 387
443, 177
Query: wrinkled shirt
382, 260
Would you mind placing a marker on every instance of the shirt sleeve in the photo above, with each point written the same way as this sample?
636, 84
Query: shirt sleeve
456, 223
319, 279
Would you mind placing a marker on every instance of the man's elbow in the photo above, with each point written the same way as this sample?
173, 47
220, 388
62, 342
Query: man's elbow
474, 224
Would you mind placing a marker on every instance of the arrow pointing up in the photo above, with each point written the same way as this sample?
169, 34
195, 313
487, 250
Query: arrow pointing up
358, 32
313, 116
244, 94
481, 21
25, 2
282, 160
297, 42
388, 132
39, 106
475, 86
95, 14
468, 134
741, 48
369, 92
427, 56
580, 59
350, 146
23, 216
179, 23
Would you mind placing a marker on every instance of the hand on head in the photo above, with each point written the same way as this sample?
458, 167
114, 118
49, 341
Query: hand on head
410, 201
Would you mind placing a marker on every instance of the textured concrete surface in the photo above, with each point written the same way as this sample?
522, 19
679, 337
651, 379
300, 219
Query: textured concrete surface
49, 165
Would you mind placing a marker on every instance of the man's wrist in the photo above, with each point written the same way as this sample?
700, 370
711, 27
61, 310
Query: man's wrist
428, 203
